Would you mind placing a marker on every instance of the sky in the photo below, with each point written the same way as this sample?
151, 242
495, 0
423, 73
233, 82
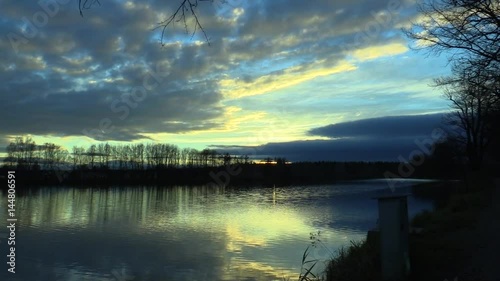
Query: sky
305, 80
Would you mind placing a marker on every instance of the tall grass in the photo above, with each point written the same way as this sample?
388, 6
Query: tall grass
307, 264
306, 273
356, 262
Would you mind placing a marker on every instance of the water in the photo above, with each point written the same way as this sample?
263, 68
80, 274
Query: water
185, 233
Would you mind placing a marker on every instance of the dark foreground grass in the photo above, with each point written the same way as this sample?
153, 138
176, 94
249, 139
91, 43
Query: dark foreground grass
358, 262
439, 252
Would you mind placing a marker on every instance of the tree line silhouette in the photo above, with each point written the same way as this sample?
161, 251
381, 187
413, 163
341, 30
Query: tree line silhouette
23, 153
161, 163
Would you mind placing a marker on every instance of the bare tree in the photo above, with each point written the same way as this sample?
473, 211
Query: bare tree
52, 155
22, 150
107, 154
184, 156
101, 155
193, 158
468, 28
79, 157
213, 157
227, 159
91, 153
140, 155
11, 160
474, 102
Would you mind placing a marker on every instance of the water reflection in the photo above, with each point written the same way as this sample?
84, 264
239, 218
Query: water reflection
185, 233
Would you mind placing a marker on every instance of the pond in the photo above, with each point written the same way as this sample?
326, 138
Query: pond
186, 233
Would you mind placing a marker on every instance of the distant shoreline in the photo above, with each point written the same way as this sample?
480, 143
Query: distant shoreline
242, 174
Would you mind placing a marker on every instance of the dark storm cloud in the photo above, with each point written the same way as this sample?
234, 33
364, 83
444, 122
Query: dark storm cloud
85, 110
332, 150
342, 150
382, 127
377, 139
62, 77
67, 77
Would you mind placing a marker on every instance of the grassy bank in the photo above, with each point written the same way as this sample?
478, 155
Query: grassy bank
442, 250
442, 247
356, 262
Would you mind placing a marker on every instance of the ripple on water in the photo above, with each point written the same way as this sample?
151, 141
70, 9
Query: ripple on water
187, 233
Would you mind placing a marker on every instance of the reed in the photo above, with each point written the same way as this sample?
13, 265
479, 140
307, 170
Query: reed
356, 262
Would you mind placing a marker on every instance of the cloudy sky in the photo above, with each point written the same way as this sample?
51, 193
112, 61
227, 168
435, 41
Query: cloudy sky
284, 77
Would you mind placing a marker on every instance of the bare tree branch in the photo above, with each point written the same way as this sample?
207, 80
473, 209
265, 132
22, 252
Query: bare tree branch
186, 6
185, 10
470, 28
86, 4
473, 95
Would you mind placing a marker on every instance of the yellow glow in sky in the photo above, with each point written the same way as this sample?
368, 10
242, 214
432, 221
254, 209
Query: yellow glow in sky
235, 88
374, 52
